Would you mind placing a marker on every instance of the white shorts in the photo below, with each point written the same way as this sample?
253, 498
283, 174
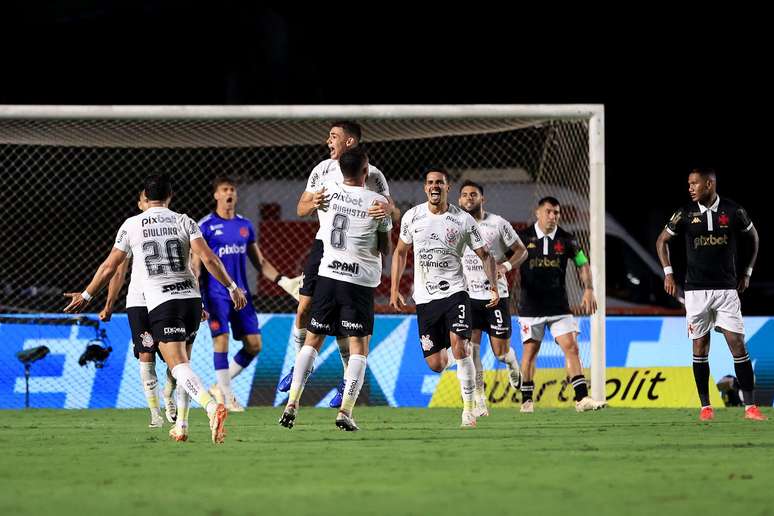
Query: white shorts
705, 309
534, 328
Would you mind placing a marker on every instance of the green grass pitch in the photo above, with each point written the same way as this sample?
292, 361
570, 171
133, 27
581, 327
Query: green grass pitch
403, 461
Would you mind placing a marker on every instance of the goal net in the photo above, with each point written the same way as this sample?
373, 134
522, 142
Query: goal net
71, 175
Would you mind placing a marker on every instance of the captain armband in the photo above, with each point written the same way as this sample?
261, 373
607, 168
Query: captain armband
580, 259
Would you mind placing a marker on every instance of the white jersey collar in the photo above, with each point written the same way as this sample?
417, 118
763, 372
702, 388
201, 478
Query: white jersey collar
714, 206
540, 234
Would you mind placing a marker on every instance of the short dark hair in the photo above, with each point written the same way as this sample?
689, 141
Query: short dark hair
553, 201
352, 161
157, 187
221, 180
353, 129
468, 182
434, 168
705, 173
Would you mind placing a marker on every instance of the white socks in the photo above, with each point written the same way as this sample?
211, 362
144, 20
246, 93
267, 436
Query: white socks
450, 360
476, 354
301, 371
186, 378
169, 386
234, 369
299, 337
466, 373
150, 386
354, 375
183, 406
509, 359
223, 377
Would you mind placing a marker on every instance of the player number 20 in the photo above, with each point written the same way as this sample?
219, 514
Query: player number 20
154, 259
339, 231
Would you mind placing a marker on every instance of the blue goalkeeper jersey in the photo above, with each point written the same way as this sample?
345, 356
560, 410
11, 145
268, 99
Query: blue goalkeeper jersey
228, 239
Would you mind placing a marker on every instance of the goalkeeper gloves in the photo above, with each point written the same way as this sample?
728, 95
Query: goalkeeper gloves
290, 285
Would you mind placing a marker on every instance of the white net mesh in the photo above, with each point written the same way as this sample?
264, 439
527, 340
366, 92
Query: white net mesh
70, 183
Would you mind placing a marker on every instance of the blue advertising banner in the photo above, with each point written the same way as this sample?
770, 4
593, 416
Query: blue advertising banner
397, 374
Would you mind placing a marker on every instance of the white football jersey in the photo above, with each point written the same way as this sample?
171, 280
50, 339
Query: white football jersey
134, 294
350, 246
160, 242
439, 242
499, 236
329, 171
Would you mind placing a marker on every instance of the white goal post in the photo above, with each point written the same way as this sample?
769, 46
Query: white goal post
147, 137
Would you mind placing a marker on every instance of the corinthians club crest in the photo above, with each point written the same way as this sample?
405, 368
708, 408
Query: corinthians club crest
451, 236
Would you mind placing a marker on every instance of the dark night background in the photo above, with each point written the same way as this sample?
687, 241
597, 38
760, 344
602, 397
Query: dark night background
679, 90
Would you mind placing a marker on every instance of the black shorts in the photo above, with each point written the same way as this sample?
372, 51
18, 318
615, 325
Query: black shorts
309, 280
342, 309
495, 321
140, 328
176, 320
439, 317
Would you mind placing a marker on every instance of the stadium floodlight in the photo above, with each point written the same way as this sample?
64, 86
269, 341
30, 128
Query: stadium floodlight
519, 152
27, 357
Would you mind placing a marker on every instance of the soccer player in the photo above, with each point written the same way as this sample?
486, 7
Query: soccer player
232, 237
342, 135
350, 270
711, 226
507, 250
543, 301
439, 233
145, 347
163, 239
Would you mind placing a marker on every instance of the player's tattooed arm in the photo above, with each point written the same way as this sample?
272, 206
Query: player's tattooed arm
79, 300
490, 269
588, 303
114, 288
662, 249
744, 281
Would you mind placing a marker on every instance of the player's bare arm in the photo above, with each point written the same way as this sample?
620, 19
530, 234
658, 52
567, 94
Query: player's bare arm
196, 267
662, 249
744, 281
310, 202
398, 266
518, 253
490, 269
79, 300
380, 210
260, 263
215, 267
114, 288
383, 242
588, 303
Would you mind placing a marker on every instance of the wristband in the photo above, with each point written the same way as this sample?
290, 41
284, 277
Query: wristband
668, 270
278, 278
749, 272
232, 287
85, 295
507, 266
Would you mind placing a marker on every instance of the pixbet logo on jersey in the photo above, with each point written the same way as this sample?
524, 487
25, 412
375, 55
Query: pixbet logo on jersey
345, 197
158, 219
702, 241
231, 249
